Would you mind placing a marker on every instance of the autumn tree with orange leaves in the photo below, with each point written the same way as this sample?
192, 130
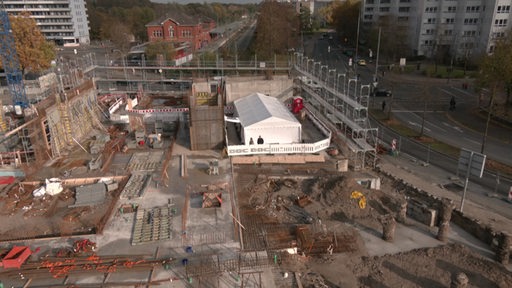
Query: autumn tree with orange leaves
35, 53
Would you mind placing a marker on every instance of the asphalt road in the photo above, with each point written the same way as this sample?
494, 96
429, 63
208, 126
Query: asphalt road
419, 101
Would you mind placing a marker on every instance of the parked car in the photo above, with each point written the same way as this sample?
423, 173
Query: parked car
379, 92
361, 62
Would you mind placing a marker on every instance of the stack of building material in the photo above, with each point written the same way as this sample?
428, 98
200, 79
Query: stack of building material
88, 195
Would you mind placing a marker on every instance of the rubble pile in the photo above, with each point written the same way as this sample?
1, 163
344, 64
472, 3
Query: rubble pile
435, 265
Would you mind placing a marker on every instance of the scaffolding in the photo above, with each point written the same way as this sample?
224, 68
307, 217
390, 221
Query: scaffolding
344, 105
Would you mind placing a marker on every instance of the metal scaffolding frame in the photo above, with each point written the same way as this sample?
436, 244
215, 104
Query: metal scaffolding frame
343, 107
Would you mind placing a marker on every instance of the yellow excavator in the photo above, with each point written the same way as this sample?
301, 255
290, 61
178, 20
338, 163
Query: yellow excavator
361, 197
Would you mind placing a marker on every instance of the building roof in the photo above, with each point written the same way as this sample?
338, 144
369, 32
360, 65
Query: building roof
180, 18
263, 110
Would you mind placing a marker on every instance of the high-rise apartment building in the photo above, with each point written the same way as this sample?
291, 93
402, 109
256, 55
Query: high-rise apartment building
463, 28
63, 21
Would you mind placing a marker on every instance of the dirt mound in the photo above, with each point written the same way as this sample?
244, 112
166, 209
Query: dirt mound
431, 267
335, 198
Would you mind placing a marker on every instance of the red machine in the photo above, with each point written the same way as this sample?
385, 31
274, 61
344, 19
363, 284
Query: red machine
297, 105
16, 257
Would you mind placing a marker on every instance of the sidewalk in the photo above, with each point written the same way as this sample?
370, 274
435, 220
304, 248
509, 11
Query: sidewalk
479, 203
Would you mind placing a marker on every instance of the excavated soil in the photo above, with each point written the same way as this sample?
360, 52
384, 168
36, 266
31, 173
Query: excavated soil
328, 205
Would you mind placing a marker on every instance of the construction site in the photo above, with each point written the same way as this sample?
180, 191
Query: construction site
228, 182
120, 190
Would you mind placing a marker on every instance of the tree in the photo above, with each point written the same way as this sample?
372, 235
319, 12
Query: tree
393, 38
165, 49
118, 32
344, 18
277, 29
35, 53
306, 23
496, 74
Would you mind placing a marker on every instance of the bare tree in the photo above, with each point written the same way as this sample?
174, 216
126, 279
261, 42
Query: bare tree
496, 74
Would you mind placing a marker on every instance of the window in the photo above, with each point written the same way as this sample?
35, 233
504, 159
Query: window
405, 1
469, 33
472, 9
470, 21
403, 19
500, 22
186, 34
450, 20
171, 32
368, 9
452, 9
370, 2
429, 42
448, 32
385, 1
503, 9
403, 9
431, 21
384, 9
429, 31
498, 35
157, 34
368, 17
431, 9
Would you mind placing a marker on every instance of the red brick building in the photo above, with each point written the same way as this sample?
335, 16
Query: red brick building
181, 28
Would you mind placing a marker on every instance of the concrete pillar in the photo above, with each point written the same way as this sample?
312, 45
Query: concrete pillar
445, 217
402, 214
459, 280
503, 251
388, 227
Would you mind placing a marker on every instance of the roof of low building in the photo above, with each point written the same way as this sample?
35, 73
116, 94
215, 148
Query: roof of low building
180, 18
257, 107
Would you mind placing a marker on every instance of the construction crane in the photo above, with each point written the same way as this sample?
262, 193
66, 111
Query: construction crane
11, 63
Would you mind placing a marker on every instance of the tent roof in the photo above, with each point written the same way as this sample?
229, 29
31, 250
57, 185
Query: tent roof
257, 108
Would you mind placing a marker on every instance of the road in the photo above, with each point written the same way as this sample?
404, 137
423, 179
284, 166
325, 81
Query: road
419, 101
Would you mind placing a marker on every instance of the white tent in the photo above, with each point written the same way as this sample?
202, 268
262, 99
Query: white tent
265, 118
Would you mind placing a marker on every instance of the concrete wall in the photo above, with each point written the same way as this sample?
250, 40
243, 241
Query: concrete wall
431, 204
238, 87
76, 119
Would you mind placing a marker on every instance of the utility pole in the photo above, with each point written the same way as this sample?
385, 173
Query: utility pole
424, 94
489, 112
377, 58
357, 39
